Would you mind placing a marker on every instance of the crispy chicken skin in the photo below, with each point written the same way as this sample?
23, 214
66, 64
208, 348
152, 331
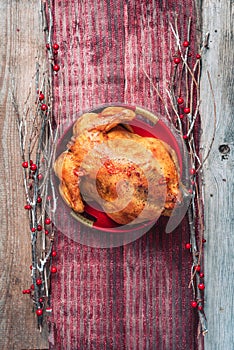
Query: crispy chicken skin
133, 178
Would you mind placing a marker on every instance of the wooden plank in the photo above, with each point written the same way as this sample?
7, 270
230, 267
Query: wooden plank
18, 49
218, 172
21, 39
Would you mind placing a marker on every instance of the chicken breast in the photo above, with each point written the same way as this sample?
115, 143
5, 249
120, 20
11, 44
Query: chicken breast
133, 178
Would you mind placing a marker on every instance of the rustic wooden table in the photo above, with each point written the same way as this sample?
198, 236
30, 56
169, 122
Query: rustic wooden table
21, 42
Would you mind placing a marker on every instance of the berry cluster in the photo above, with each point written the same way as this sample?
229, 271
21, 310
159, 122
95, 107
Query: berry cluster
178, 59
34, 207
197, 303
38, 205
41, 302
54, 48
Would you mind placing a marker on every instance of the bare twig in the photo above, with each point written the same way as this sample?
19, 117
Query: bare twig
158, 93
37, 140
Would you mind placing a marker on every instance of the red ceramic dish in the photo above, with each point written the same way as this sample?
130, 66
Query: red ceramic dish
145, 124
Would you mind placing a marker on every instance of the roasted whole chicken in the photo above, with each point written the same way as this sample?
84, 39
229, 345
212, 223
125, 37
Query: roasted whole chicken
132, 178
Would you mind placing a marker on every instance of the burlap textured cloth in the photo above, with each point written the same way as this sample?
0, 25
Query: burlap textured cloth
134, 296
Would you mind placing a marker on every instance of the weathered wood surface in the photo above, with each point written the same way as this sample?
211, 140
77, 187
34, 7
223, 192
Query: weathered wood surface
21, 40
217, 18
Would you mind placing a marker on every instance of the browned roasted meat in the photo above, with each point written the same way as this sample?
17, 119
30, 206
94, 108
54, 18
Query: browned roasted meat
133, 178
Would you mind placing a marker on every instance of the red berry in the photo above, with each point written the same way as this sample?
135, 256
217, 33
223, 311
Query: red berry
39, 282
56, 68
188, 245
31, 162
192, 171
27, 206
47, 46
200, 308
180, 100
28, 291
201, 275
181, 116
201, 286
190, 191
185, 43
187, 110
32, 287
40, 176
39, 228
198, 56
44, 107
25, 164
33, 167
49, 198
53, 269
39, 199
47, 221
24, 291
39, 312
54, 253
41, 300
194, 303
56, 46
41, 96
177, 60
30, 267
203, 240
33, 229
46, 232
185, 137
197, 268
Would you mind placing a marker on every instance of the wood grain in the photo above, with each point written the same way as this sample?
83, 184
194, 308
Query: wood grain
218, 173
21, 40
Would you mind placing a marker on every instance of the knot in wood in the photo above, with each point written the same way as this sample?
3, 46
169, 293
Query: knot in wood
224, 149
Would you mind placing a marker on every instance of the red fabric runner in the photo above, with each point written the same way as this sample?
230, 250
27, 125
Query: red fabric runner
134, 296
